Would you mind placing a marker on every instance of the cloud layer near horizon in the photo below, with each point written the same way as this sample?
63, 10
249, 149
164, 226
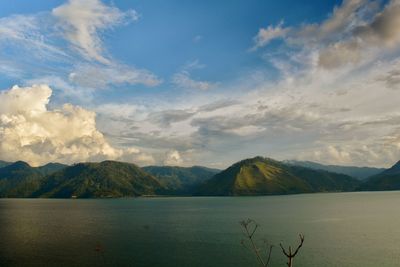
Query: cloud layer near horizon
31, 132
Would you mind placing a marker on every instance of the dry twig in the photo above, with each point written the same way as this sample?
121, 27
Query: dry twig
289, 253
249, 228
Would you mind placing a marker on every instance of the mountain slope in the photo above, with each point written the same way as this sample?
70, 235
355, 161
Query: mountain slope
360, 173
181, 180
19, 180
51, 168
387, 180
264, 176
104, 179
4, 163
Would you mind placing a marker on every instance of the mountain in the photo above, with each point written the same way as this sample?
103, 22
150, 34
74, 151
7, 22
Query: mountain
386, 180
4, 163
394, 170
264, 176
181, 180
104, 179
360, 173
19, 180
51, 168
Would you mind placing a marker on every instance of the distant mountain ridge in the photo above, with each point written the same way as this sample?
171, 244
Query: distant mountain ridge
360, 173
19, 180
254, 176
51, 168
4, 163
386, 180
394, 170
104, 179
181, 180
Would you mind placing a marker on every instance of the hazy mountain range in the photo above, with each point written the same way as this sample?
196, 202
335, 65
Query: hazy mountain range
181, 180
255, 176
386, 180
360, 173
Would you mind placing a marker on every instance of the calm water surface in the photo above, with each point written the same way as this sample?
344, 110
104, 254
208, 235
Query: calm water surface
344, 229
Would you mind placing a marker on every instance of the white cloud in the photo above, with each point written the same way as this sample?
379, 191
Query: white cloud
184, 80
344, 18
366, 40
30, 131
26, 34
266, 35
82, 22
356, 33
35, 49
100, 77
333, 102
173, 158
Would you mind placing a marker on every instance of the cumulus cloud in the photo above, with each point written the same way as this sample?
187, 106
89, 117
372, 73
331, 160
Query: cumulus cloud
173, 158
340, 54
30, 131
384, 28
82, 22
382, 32
343, 20
356, 32
333, 102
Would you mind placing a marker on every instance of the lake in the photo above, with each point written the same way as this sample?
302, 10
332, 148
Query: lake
341, 229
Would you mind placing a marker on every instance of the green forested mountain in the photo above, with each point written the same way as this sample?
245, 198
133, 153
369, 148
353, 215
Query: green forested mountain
181, 180
264, 176
51, 168
19, 180
255, 176
104, 179
387, 180
4, 163
360, 173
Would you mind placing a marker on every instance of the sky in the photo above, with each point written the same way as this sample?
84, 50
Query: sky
200, 82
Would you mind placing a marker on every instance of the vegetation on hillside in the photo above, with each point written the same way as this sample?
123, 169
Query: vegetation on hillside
104, 179
19, 180
387, 180
181, 180
361, 173
255, 176
264, 176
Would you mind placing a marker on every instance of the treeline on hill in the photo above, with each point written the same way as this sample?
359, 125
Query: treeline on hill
255, 176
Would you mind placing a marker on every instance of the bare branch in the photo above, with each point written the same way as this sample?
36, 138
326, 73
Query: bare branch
300, 245
269, 255
291, 255
249, 228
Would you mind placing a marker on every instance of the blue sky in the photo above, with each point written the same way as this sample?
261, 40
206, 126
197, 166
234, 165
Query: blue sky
205, 82
171, 34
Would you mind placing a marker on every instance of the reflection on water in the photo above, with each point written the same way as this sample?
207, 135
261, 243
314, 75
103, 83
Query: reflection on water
345, 229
